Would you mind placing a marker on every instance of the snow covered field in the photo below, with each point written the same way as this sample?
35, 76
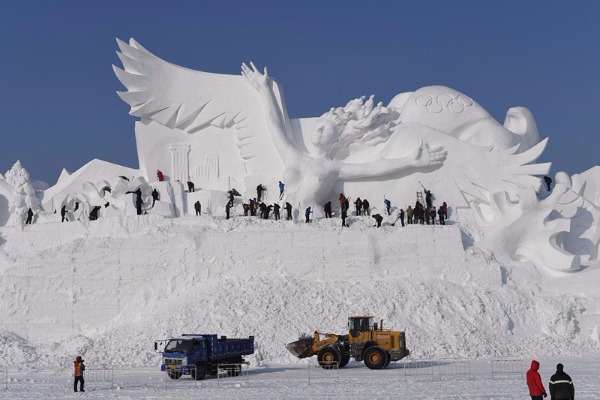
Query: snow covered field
292, 382
106, 289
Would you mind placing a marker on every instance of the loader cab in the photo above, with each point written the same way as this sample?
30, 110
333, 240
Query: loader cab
358, 325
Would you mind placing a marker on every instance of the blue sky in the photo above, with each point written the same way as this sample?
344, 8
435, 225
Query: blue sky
60, 109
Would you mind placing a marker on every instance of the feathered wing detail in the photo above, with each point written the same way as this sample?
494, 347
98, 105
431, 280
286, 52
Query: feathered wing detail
181, 98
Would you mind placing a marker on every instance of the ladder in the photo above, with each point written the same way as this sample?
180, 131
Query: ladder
420, 197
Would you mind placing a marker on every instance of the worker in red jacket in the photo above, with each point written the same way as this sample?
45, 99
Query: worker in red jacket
534, 382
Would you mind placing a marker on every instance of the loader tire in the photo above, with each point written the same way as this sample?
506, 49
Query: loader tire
329, 357
375, 357
389, 358
345, 360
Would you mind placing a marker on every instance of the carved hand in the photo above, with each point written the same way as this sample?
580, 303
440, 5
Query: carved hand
423, 156
258, 81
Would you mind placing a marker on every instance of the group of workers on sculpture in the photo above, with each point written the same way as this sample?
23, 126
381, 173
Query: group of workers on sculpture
420, 214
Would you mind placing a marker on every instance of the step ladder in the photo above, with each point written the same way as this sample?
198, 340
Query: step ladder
420, 197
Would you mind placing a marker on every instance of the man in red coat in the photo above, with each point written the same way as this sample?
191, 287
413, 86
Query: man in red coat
534, 382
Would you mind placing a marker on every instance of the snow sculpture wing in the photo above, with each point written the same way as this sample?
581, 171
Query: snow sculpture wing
181, 98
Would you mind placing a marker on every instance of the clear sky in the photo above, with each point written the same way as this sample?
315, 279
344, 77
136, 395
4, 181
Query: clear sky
59, 107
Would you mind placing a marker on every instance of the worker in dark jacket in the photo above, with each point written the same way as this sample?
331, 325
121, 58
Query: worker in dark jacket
155, 196
327, 209
198, 207
379, 219
276, 208
288, 209
78, 369
63, 214
29, 216
561, 385
534, 381
365, 207
307, 214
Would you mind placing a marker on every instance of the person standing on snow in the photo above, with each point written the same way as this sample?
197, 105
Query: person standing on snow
288, 209
63, 213
388, 205
534, 382
29, 216
548, 181
365, 207
358, 206
327, 209
276, 208
160, 176
259, 189
409, 215
78, 368
198, 207
561, 385
307, 214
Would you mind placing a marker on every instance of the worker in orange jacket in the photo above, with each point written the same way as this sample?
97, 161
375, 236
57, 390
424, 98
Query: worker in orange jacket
78, 368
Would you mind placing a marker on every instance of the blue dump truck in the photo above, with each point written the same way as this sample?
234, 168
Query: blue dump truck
201, 354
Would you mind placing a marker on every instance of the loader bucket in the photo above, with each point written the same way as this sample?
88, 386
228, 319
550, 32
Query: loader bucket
301, 348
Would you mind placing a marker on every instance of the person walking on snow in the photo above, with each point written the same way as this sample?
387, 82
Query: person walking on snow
78, 368
155, 196
388, 205
198, 207
29, 216
561, 385
63, 213
365, 207
534, 382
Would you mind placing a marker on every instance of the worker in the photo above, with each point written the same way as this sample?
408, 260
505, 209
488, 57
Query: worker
78, 368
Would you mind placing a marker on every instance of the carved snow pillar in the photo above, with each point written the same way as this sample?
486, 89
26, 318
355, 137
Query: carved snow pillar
180, 162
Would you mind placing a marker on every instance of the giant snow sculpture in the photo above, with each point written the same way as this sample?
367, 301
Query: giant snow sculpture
222, 131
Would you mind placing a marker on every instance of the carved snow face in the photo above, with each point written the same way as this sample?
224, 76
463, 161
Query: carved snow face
323, 134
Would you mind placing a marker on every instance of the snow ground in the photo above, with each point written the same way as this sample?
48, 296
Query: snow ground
291, 382
109, 288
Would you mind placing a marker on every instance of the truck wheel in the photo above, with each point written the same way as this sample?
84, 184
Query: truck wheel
328, 357
345, 360
375, 357
174, 374
199, 372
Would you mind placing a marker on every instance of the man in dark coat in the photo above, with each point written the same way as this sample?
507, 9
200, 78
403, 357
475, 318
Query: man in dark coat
259, 190
401, 216
63, 213
29, 216
548, 181
276, 208
358, 205
307, 214
191, 187
227, 209
155, 196
534, 382
365, 207
198, 207
288, 209
327, 209
379, 219
561, 385
441, 215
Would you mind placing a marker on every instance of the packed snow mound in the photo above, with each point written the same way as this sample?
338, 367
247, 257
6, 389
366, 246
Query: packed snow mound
108, 288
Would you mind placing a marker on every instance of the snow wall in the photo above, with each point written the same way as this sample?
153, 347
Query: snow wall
108, 288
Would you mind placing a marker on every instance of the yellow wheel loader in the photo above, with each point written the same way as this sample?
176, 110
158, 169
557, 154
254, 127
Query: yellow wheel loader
366, 341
